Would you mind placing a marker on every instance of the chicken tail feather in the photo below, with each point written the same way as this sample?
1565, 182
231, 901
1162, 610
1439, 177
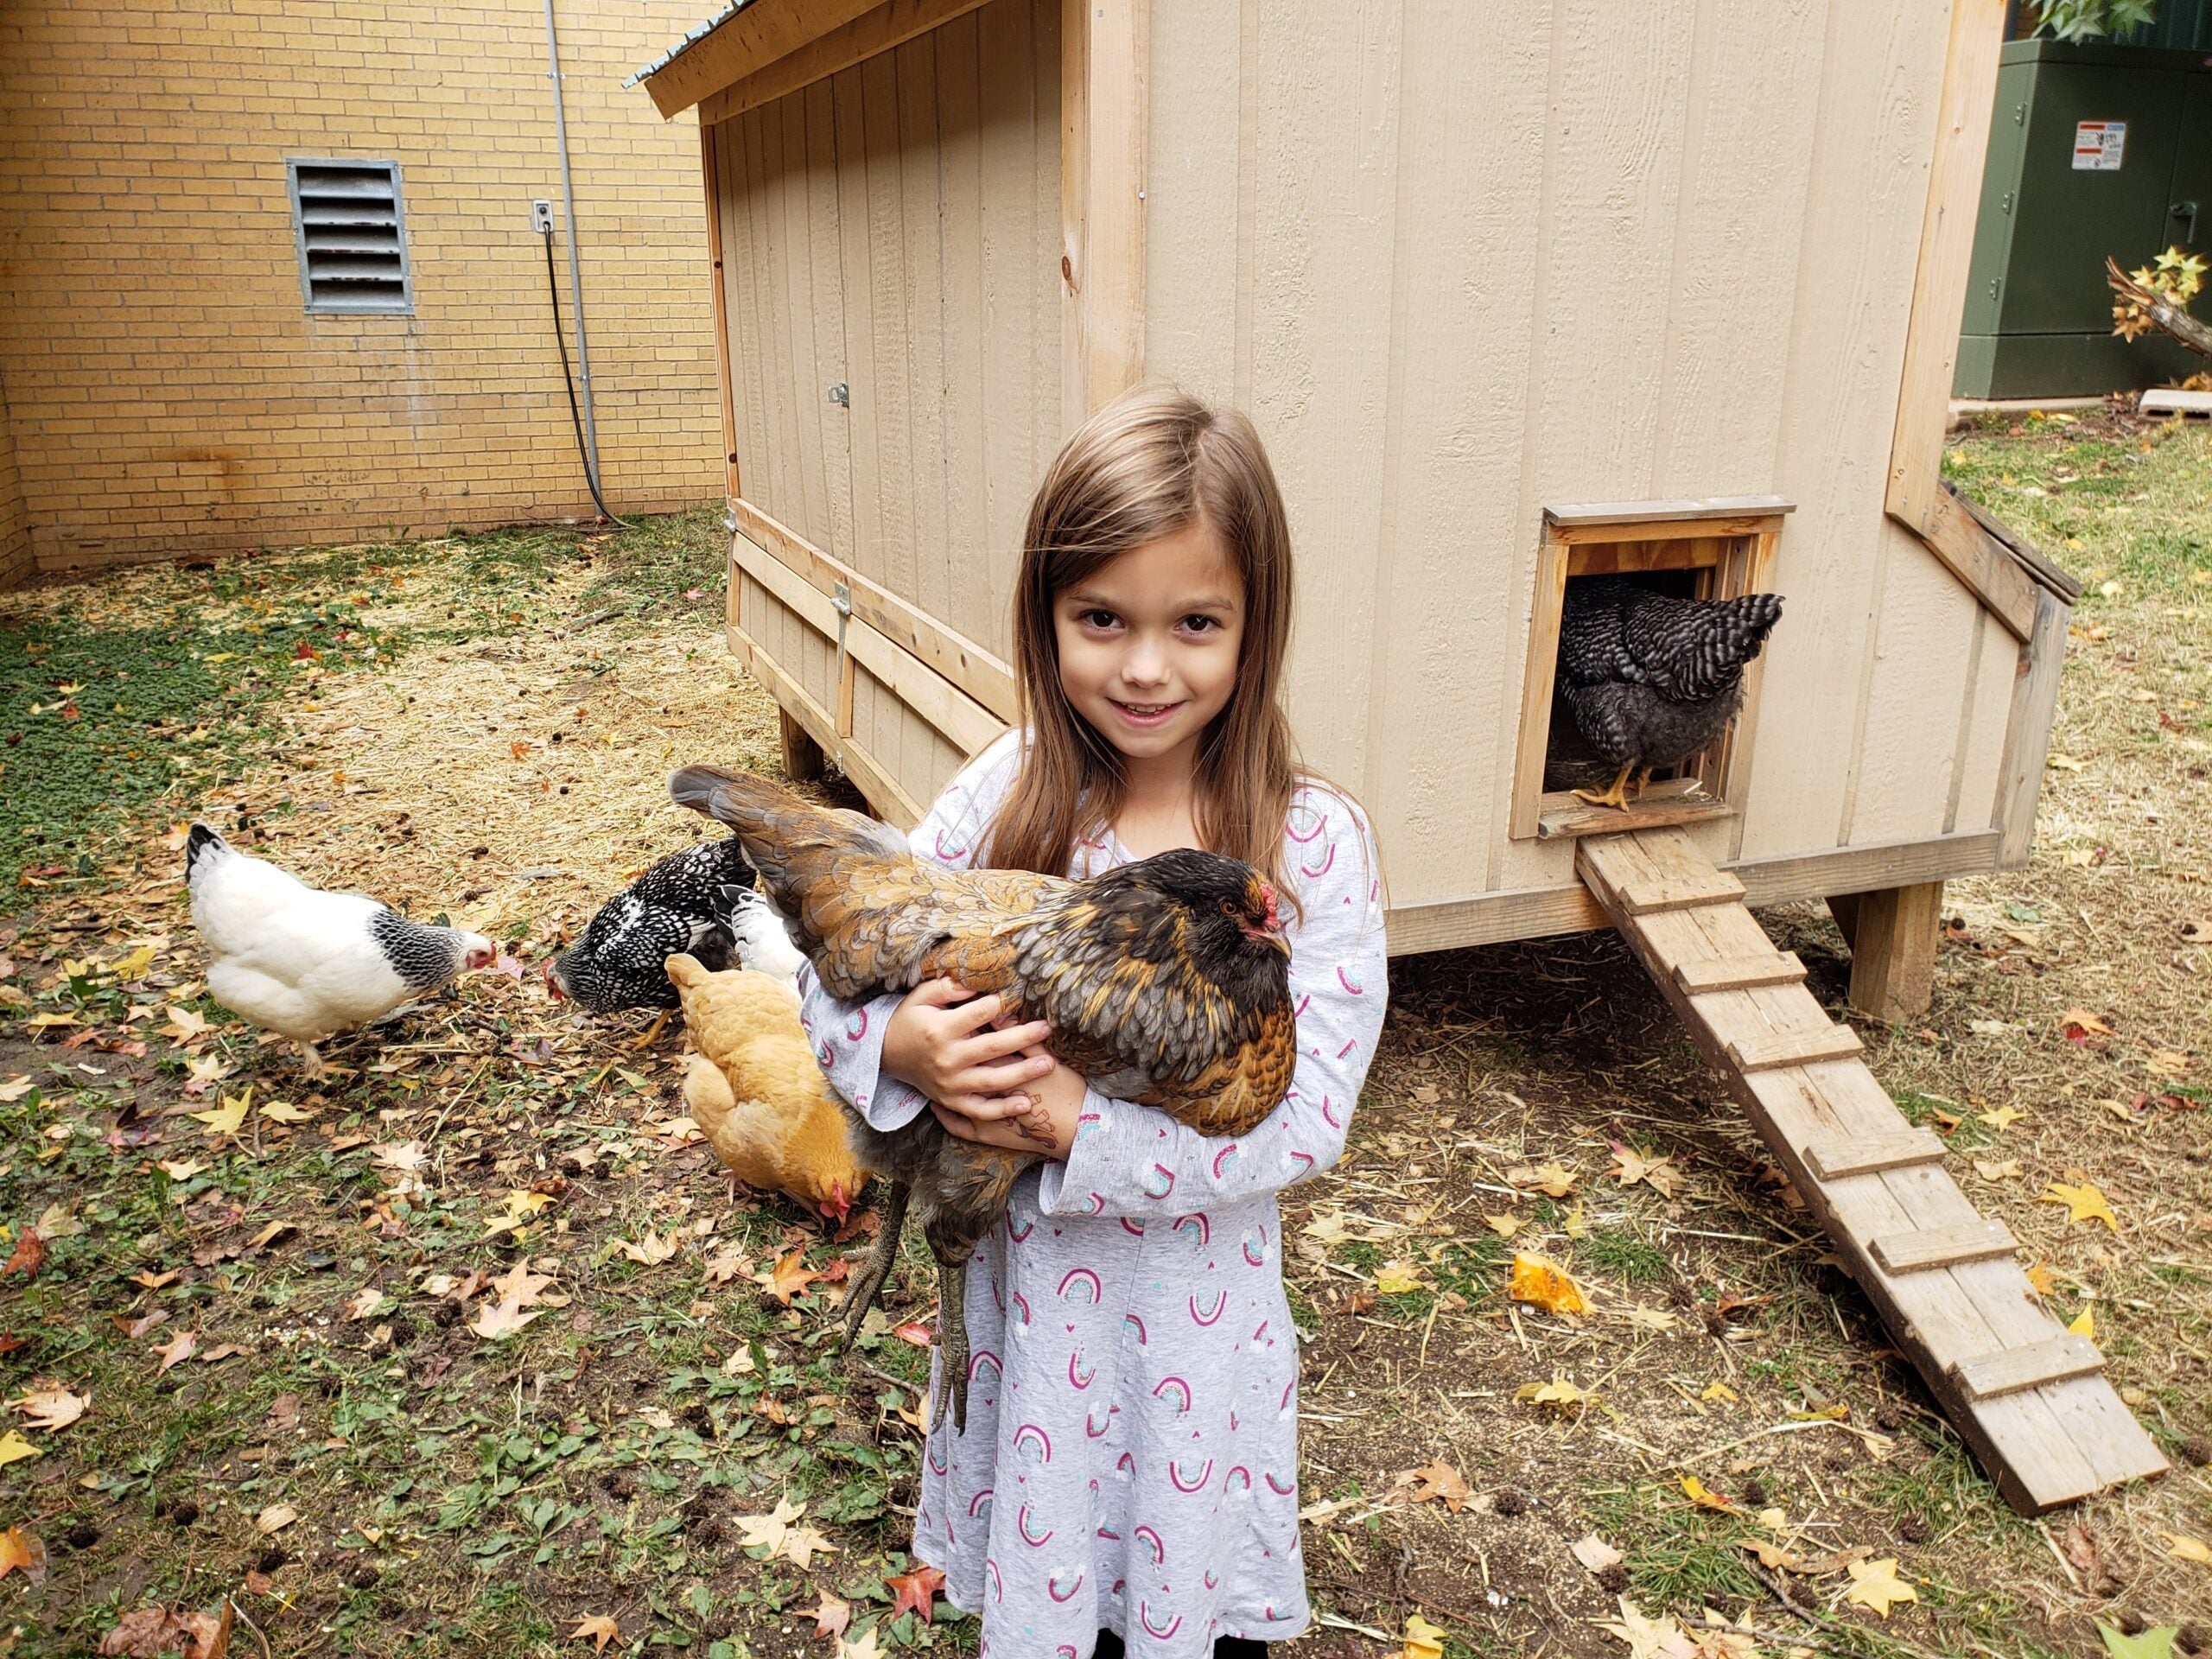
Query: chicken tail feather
198, 842
790, 840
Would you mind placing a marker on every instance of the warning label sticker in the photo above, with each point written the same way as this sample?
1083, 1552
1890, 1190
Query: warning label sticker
2098, 146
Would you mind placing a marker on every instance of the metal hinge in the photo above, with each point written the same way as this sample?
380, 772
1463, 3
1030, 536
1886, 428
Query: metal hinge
729, 519
841, 394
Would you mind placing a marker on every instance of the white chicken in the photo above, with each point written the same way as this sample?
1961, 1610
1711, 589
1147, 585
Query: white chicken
305, 963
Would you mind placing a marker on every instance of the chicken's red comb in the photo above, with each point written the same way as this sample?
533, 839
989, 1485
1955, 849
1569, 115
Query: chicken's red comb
1268, 897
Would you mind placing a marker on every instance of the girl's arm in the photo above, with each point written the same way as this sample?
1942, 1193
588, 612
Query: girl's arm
848, 1037
1133, 1160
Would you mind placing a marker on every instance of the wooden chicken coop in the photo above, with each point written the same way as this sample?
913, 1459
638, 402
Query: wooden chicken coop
1514, 296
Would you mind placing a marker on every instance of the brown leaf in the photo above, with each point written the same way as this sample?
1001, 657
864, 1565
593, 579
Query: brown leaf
1434, 1480
20, 1552
178, 1348
50, 1408
598, 1627
30, 1255
830, 1616
149, 1632
915, 1591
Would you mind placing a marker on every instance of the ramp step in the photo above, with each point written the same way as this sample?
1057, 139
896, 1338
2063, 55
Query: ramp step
1795, 1048
1870, 1155
2015, 1371
1664, 893
1701, 976
1928, 1247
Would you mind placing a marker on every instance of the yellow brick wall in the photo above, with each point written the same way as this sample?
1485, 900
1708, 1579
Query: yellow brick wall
15, 522
168, 391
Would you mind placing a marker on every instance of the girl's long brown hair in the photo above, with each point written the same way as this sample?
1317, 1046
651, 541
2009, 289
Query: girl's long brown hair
1145, 466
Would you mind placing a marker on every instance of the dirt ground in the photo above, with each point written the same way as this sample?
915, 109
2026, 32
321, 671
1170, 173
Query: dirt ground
1726, 1438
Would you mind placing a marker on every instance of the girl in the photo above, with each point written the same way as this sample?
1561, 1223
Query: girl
1128, 1474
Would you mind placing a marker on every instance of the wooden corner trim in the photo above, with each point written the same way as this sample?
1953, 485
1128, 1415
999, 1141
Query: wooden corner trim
743, 43
1105, 122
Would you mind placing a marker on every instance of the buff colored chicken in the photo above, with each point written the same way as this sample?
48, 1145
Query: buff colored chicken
755, 1091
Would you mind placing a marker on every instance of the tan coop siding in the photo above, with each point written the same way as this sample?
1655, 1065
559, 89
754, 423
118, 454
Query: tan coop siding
170, 394
1461, 264
895, 230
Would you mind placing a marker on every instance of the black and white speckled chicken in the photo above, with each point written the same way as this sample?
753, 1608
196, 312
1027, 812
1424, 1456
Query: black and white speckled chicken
676, 907
1645, 680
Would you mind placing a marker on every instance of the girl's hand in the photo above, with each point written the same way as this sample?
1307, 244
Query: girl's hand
942, 1039
1047, 1129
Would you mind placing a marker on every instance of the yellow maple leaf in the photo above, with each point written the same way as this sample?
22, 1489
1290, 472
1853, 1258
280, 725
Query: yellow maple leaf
226, 1118
2181, 1545
1876, 1585
282, 1111
1326, 1229
135, 965
1505, 1226
1559, 1392
520, 1206
2044, 1281
1719, 1391
1543, 1283
1706, 1498
14, 1448
1423, 1640
2001, 1118
2084, 1324
1553, 1177
2083, 1203
1395, 1278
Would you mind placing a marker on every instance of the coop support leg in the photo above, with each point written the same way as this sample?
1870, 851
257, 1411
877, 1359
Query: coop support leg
802, 758
1893, 934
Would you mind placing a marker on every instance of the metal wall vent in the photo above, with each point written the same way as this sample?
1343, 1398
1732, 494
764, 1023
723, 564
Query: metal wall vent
352, 232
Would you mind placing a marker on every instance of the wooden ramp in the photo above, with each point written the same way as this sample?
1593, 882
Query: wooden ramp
2029, 1397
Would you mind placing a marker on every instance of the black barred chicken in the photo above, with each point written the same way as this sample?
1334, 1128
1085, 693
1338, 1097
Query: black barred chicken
1645, 680
680, 906
1166, 981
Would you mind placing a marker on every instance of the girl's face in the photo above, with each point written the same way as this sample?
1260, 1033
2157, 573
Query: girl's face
1149, 643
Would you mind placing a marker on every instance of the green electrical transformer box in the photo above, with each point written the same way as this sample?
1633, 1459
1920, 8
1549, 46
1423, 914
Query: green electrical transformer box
2093, 151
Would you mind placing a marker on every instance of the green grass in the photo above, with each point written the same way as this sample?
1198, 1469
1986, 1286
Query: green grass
1623, 1254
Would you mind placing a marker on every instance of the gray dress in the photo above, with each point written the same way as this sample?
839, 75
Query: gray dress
1131, 1458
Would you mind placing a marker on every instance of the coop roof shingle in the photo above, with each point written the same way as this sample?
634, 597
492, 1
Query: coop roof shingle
647, 70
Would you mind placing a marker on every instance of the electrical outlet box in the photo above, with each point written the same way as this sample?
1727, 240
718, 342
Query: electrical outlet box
541, 216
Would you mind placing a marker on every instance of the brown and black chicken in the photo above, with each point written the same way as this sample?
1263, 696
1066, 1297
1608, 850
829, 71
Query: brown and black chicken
1645, 680
1166, 981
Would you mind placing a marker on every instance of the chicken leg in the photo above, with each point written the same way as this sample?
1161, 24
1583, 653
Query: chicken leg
881, 1256
1617, 797
951, 1328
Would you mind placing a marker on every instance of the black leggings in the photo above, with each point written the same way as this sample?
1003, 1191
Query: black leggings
1224, 1647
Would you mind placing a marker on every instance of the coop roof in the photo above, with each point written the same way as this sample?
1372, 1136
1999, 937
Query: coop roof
646, 71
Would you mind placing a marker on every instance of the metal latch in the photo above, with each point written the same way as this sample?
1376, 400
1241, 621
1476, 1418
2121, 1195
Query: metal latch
841, 394
841, 601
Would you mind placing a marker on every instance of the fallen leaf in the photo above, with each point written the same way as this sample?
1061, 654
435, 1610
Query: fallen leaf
1875, 1584
2181, 1545
176, 1350
2044, 1281
365, 1301
20, 1552
1651, 1319
1630, 1166
860, 1647
1706, 1498
1440, 1481
2080, 1025
1543, 1283
2083, 1203
1991, 1169
802, 1544
599, 1628
915, 1591
1553, 1179
1559, 1392
830, 1616
405, 1156
15, 1089
2058, 762
2084, 1324
1595, 1554
1327, 1229
1396, 1278
226, 1118
1718, 1391
1423, 1640
516, 1289
136, 1328
181, 1169
2157, 1643
1505, 1226
55, 1222
50, 1408
652, 1250
275, 1517
28, 1256
2001, 1118
151, 1633
134, 965
790, 1277
281, 1111
2167, 1063
914, 1333
14, 1448
1650, 1638
521, 1205
185, 1025
767, 1531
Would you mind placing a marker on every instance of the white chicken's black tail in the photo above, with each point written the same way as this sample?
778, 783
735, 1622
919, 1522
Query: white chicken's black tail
198, 842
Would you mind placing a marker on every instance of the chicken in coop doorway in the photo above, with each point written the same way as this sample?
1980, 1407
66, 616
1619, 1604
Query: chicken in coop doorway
1645, 680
